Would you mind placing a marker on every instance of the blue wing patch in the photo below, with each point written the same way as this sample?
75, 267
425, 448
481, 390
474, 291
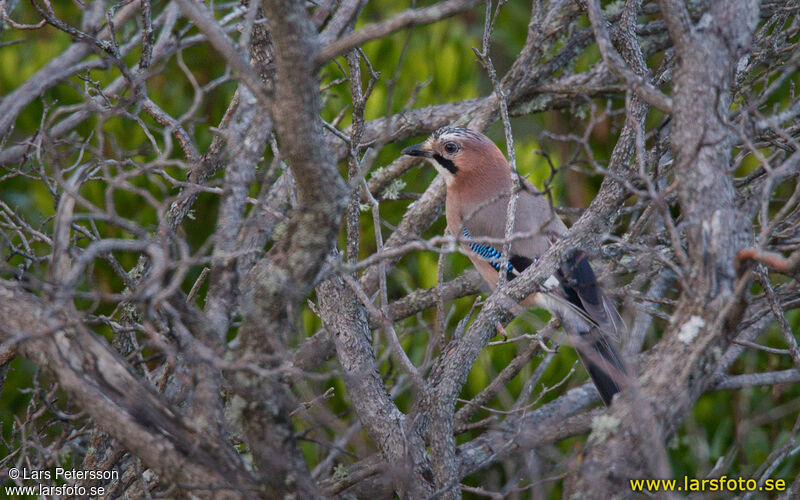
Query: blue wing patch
491, 254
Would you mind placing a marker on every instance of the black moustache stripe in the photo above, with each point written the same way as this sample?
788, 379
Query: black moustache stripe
449, 165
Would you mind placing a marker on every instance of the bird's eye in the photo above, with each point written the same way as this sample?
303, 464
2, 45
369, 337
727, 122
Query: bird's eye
450, 147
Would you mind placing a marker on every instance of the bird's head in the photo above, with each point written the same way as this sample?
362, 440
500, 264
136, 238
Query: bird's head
460, 153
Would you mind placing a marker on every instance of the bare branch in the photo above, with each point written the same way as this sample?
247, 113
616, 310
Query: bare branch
638, 83
407, 18
225, 46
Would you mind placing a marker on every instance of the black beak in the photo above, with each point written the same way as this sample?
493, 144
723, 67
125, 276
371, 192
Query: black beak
417, 150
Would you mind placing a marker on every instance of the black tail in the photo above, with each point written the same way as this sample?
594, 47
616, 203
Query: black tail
602, 361
592, 340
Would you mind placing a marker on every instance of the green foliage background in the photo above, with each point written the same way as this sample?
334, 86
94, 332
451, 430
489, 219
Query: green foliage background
440, 58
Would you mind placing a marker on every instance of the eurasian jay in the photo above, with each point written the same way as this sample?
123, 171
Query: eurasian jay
479, 184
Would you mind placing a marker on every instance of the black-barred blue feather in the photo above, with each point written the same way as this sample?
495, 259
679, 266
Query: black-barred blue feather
489, 253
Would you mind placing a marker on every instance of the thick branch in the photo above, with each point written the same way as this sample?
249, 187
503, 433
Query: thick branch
346, 320
100, 382
287, 274
682, 365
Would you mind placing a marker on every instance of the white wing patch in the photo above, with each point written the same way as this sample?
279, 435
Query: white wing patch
551, 283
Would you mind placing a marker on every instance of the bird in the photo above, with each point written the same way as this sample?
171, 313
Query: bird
479, 184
